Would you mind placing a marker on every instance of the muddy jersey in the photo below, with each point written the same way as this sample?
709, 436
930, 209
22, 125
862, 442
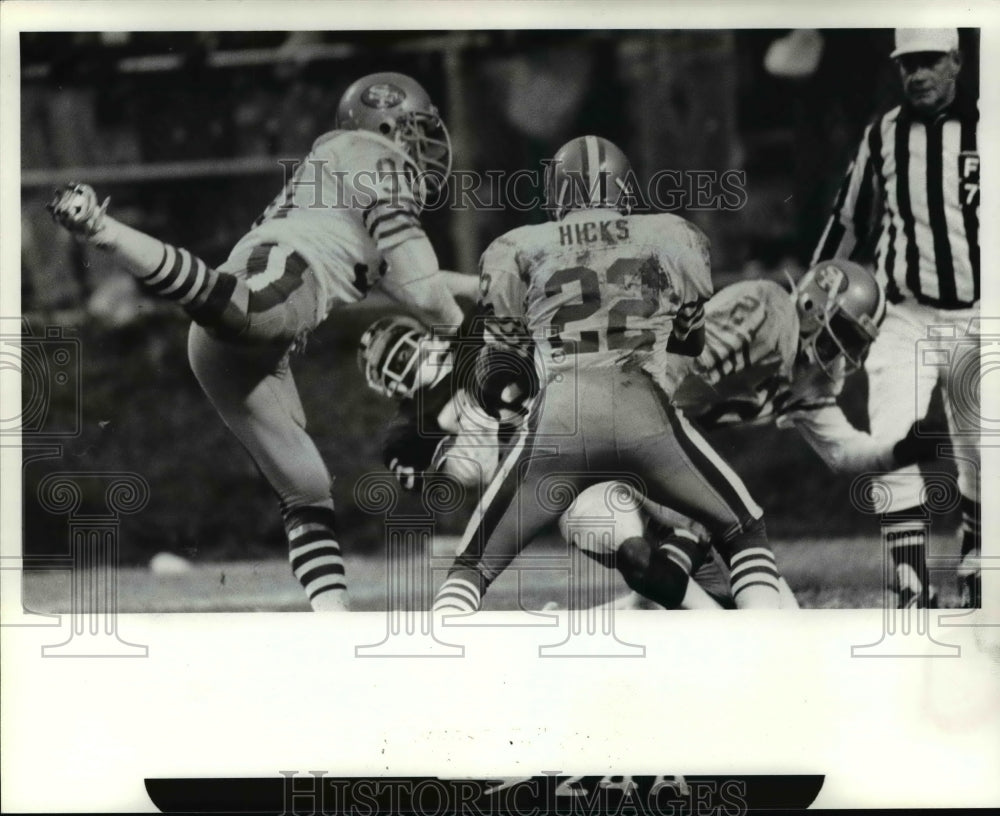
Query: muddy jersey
750, 371
597, 289
348, 202
747, 365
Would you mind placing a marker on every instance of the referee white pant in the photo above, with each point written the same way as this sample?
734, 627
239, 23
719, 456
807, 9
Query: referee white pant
917, 348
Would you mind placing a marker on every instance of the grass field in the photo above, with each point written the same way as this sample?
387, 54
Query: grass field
834, 573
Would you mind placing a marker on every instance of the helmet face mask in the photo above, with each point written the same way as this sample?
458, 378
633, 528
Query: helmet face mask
588, 172
428, 143
398, 108
398, 355
840, 306
841, 336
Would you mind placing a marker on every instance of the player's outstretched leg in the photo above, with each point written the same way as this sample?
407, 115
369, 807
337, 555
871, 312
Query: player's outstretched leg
219, 300
253, 390
508, 518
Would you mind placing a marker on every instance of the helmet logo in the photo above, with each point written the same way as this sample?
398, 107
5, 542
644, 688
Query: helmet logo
831, 279
383, 95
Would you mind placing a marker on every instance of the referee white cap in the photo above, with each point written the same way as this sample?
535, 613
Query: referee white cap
914, 40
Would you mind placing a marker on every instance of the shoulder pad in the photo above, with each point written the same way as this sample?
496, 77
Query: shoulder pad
361, 148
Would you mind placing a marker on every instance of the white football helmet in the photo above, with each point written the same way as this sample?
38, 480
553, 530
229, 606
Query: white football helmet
840, 307
398, 355
397, 107
588, 171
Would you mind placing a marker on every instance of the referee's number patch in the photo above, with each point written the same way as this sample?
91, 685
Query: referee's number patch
968, 173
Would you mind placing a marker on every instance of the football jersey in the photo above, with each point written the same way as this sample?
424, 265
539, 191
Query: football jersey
595, 289
348, 202
747, 365
751, 371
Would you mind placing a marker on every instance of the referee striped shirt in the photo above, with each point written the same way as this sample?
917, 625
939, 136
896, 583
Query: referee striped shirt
912, 193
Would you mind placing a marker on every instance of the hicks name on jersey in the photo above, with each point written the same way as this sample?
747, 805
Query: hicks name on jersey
592, 232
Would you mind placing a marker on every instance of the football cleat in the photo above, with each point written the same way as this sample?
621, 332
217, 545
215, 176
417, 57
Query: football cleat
588, 172
840, 307
397, 107
76, 209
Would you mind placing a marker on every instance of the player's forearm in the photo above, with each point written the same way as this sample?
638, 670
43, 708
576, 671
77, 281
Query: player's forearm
437, 304
461, 285
843, 448
415, 280
430, 298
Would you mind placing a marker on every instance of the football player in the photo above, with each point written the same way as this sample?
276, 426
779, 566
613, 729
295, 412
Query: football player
771, 357
347, 221
571, 310
768, 356
439, 428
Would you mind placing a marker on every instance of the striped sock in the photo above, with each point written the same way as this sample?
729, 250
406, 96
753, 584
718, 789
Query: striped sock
754, 578
315, 555
180, 277
684, 548
205, 293
906, 536
462, 591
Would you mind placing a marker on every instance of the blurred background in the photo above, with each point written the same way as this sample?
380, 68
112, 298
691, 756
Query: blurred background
185, 132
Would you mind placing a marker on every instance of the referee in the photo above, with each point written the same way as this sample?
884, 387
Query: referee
912, 196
